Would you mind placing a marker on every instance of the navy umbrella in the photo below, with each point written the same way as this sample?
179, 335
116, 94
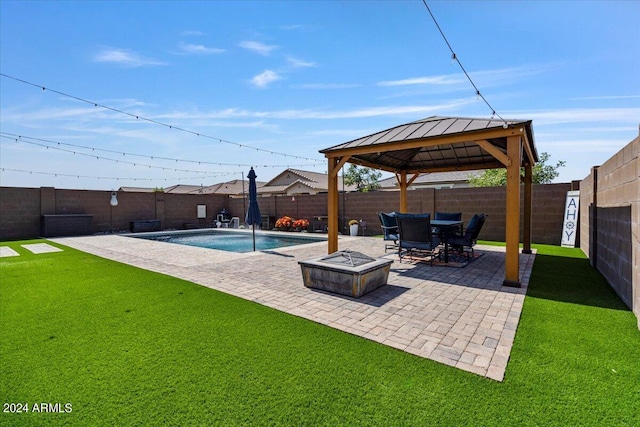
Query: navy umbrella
253, 214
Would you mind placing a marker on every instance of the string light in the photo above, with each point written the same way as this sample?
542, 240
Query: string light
26, 139
108, 177
454, 58
105, 158
156, 122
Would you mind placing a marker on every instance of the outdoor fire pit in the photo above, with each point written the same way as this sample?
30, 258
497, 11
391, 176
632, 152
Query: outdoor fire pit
346, 273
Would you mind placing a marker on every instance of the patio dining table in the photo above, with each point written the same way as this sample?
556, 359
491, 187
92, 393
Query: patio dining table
444, 226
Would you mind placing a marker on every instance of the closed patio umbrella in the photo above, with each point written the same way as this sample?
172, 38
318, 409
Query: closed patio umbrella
253, 213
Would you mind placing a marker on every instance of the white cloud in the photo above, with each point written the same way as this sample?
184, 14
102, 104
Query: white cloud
231, 113
258, 47
504, 76
605, 97
125, 57
299, 63
198, 49
434, 80
579, 115
483, 79
582, 146
326, 86
265, 78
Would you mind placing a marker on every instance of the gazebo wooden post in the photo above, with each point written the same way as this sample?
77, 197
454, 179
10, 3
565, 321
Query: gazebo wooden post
512, 238
332, 205
528, 180
403, 192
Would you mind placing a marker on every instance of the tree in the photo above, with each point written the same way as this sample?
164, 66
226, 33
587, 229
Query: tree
365, 179
541, 171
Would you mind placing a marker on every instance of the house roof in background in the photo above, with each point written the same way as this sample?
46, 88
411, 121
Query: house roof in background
234, 187
137, 189
433, 178
315, 180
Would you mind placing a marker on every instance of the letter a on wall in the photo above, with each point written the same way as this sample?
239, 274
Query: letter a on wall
570, 225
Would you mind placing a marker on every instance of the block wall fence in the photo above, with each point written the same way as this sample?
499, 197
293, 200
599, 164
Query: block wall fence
609, 222
21, 208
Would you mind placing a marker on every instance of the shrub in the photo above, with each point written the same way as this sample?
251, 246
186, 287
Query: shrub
284, 223
300, 224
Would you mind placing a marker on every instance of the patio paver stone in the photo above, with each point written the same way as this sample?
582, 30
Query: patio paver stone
462, 317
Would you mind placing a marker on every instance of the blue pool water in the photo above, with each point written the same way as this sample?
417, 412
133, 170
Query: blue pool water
233, 242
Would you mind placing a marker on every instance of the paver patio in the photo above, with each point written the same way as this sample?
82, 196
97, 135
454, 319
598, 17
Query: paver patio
462, 317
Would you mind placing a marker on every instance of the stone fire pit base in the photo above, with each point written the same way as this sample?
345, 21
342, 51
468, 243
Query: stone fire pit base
346, 273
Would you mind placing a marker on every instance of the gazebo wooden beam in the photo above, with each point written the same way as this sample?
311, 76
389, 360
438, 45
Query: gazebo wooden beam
367, 164
494, 151
413, 178
470, 167
529, 150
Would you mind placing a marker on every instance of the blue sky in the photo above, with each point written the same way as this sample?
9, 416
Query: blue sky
296, 77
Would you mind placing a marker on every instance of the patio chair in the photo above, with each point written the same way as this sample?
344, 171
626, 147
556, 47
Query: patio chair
389, 229
416, 235
468, 239
448, 216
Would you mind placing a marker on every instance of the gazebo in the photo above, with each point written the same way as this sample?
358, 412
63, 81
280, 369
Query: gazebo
442, 144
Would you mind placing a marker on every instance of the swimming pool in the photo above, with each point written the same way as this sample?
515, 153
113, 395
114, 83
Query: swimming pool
231, 241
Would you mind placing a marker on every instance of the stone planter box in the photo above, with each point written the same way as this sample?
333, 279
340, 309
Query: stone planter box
346, 273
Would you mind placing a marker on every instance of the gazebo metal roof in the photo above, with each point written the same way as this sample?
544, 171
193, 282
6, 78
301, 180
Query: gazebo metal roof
442, 144
437, 144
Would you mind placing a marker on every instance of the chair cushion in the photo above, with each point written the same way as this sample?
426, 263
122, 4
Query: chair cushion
473, 223
449, 216
388, 219
416, 215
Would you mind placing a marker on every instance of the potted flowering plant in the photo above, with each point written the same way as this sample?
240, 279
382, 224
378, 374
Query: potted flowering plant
300, 224
284, 223
353, 227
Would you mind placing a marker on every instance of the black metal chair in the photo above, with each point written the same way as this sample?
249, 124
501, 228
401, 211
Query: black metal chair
416, 235
470, 236
389, 229
448, 216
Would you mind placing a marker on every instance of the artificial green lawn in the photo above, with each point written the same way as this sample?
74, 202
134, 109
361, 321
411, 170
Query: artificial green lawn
126, 346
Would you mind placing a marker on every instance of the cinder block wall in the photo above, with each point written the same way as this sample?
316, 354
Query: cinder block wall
548, 206
19, 212
21, 208
609, 221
